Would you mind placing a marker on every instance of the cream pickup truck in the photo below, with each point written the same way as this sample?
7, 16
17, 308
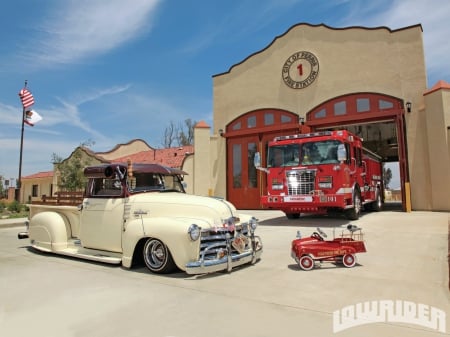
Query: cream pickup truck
132, 213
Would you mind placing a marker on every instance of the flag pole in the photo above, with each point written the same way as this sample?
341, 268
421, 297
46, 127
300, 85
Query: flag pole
19, 180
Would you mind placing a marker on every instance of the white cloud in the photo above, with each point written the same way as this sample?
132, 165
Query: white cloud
432, 15
78, 29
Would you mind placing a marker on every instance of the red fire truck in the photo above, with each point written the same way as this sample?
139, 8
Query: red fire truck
322, 172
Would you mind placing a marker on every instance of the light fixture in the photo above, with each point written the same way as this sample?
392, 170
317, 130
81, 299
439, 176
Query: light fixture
408, 106
221, 132
301, 120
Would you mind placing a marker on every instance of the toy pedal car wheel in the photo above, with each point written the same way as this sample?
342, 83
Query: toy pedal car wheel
349, 260
306, 262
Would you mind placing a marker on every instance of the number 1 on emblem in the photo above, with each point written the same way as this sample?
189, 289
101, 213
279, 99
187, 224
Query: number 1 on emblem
300, 69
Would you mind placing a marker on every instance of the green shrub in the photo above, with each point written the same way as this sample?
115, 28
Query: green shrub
2, 206
15, 207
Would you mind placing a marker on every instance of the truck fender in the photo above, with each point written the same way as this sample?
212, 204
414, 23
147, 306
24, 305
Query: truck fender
49, 231
172, 232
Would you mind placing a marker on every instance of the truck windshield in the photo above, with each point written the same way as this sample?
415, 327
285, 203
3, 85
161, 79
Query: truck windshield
309, 153
145, 182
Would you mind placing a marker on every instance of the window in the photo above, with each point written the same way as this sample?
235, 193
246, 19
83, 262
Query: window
251, 169
251, 122
283, 155
286, 119
385, 104
340, 108
107, 187
320, 114
362, 105
34, 191
236, 126
358, 156
268, 119
237, 166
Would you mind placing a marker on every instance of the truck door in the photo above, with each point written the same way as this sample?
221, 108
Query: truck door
101, 220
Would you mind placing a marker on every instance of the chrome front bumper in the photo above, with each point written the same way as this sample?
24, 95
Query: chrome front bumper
227, 262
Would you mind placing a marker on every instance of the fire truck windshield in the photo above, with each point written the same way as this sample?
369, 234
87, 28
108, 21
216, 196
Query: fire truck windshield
308, 153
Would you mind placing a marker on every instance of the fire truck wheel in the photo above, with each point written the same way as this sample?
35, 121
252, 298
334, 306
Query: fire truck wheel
306, 262
355, 212
349, 260
377, 205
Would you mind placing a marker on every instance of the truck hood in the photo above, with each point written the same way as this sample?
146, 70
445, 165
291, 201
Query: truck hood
210, 211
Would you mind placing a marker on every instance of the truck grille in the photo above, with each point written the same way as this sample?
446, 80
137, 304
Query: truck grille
214, 241
300, 181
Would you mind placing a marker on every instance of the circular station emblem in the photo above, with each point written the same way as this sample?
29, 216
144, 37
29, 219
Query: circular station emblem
300, 70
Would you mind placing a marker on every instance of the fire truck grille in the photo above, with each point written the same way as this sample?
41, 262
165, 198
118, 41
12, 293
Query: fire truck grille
300, 181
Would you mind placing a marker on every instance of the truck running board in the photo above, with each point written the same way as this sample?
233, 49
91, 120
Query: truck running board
92, 255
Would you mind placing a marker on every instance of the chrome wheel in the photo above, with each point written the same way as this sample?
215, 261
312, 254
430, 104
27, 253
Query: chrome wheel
157, 257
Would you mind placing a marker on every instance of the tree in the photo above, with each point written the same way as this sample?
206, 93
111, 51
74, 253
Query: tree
387, 176
186, 135
169, 135
180, 135
71, 177
2, 190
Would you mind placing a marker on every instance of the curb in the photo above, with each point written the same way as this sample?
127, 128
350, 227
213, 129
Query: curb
8, 223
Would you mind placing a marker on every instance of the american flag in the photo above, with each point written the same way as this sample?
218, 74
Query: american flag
26, 97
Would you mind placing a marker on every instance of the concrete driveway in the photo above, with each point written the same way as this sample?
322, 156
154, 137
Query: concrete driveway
406, 265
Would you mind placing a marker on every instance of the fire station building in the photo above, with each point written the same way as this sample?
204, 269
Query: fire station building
370, 81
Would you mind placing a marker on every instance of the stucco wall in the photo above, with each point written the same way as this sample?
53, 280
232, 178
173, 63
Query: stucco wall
122, 150
437, 102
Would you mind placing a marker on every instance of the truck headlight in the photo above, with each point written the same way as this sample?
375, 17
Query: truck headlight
253, 222
194, 232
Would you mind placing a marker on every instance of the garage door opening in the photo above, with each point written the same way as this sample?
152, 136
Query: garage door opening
379, 120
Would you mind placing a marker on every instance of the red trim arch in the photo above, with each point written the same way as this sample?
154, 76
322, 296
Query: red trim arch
262, 121
357, 108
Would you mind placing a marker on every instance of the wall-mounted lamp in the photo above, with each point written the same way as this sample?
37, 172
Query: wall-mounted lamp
408, 106
301, 120
221, 132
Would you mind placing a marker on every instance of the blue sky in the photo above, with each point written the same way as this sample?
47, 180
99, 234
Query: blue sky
112, 71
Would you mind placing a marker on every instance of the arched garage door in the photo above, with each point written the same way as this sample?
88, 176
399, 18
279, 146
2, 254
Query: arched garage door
379, 119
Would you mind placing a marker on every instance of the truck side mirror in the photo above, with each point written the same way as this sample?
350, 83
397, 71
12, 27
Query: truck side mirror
257, 160
341, 153
257, 163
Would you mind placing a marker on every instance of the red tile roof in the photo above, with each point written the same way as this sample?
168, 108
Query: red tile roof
439, 85
201, 124
46, 174
171, 157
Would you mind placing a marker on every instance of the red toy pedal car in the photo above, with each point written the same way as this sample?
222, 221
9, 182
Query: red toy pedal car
342, 249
